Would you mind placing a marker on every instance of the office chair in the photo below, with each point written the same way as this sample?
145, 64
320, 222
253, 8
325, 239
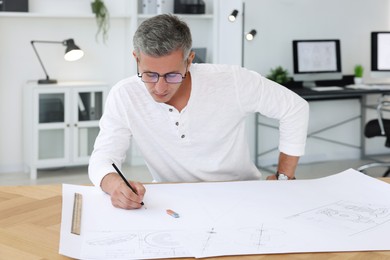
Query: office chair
378, 127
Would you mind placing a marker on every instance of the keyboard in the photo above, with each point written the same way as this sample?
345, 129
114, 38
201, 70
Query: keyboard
329, 88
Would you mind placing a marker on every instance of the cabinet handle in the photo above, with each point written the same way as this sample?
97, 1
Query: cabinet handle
67, 125
75, 125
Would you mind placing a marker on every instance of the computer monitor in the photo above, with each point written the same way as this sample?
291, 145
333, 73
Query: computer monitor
380, 54
316, 60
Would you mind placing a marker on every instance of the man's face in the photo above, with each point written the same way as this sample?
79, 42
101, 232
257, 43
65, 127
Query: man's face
162, 91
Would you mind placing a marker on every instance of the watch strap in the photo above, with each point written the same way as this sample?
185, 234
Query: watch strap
282, 176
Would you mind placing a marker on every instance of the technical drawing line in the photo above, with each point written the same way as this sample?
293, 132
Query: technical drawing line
313, 209
133, 244
208, 240
361, 231
111, 240
347, 216
260, 237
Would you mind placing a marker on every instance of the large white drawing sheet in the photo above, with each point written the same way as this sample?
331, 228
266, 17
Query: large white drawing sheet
348, 211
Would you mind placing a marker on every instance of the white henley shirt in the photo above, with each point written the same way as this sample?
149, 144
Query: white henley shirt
206, 141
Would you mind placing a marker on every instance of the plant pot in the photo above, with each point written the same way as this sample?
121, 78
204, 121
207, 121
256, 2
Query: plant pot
358, 80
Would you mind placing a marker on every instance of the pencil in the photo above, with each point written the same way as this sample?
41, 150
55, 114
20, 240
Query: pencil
124, 179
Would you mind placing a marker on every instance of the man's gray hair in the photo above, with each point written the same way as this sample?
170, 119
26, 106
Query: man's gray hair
161, 35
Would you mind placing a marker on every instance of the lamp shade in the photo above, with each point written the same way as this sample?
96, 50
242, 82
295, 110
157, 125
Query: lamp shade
251, 35
72, 52
232, 17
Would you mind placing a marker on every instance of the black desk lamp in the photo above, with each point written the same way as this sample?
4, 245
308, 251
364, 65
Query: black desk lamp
72, 53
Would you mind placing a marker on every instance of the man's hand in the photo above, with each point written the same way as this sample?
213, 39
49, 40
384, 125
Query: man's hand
121, 195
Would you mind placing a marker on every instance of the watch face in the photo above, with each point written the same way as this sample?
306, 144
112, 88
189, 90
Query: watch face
282, 177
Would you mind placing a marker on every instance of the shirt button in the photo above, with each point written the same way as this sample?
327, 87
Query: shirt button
170, 110
182, 136
177, 123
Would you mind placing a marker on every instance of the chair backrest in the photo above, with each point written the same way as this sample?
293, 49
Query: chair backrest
383, 105
380, 126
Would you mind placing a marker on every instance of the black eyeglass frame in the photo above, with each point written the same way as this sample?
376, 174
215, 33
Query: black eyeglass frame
162, 76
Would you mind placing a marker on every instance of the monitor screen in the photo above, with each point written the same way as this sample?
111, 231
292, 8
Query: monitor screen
316, 60
380, 54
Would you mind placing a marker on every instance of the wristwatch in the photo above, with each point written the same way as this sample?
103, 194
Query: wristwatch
283, 177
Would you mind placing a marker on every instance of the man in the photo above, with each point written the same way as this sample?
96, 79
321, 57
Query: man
189, 119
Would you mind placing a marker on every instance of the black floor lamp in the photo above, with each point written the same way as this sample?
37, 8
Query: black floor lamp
249, 36
72, 53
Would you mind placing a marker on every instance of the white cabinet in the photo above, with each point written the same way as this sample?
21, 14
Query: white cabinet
61, 123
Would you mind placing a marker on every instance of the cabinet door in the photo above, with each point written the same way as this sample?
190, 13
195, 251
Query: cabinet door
89, 104
51, 127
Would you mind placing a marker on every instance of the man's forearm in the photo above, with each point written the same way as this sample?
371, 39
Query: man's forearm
110, 182
287, 164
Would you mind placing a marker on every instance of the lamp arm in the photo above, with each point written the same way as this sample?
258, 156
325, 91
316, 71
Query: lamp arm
39, 58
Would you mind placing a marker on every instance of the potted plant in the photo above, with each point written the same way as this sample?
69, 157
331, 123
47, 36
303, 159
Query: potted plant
102, 18
279, 75
358, 70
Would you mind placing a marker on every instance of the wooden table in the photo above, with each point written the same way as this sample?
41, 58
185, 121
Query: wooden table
30, 220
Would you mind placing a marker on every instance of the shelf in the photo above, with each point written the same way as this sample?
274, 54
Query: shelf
184, 16
66, 84
58, 15
89, 16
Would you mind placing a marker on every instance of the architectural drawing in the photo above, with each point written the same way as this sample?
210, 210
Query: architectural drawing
111, 239
260, 237
346, 216
132, 244
244, 239
209, 239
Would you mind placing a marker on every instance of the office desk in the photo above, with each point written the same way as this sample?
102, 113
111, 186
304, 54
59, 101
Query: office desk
312, 96
30, 219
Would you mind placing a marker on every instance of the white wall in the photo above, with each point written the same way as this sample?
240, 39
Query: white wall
279, 22
229, 34
18, 63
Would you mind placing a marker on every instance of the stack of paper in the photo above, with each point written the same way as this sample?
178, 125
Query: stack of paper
348, 211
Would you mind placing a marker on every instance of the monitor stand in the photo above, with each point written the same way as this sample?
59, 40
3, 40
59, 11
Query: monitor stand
309, 84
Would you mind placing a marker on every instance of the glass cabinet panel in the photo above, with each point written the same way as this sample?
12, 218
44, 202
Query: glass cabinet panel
51, 144
51, 107
87, 136
90, 106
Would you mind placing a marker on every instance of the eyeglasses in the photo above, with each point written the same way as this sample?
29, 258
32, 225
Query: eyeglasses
153, 77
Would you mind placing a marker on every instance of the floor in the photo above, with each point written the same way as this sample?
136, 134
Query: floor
78, 175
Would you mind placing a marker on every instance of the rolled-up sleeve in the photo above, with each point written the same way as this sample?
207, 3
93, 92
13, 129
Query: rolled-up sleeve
273, 100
